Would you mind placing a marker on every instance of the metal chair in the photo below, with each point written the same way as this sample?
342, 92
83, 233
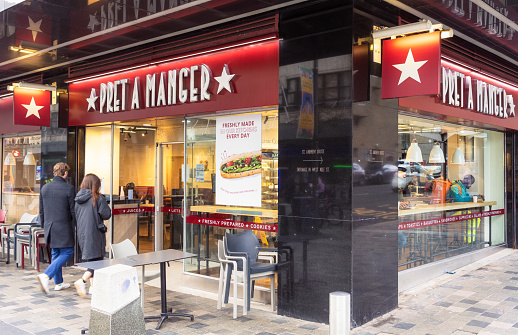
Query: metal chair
245, 249
126, 248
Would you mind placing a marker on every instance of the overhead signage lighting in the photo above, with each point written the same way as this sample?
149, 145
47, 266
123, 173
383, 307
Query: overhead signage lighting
184, 85
464, 91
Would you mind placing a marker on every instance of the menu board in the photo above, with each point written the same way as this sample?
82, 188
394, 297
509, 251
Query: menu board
238, 160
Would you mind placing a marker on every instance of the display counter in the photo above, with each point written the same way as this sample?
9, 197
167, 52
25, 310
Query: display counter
423, 208
18, 203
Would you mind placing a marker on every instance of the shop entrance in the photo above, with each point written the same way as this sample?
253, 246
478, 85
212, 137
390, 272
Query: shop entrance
170, 194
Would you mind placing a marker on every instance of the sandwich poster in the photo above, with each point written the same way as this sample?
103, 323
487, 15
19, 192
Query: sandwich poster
238, 160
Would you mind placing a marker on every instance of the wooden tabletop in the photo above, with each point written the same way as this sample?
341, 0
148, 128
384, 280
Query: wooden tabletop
421, 208
249, 211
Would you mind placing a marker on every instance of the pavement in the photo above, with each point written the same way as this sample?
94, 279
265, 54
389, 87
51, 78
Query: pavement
481, 298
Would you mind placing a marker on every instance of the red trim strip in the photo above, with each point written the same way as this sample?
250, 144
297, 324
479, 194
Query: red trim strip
133, 210
448, 219
232, 224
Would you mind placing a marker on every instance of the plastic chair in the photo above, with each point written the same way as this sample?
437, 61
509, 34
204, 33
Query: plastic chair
125, 249
244, 248
3, 215
40, 242
21, 230
224, 267
3, 230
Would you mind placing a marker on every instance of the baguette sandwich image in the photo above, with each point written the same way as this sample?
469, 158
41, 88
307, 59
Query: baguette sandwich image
241, 165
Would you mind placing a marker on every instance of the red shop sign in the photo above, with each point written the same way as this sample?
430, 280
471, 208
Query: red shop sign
242, 77
31, 107
230, 224
411, 66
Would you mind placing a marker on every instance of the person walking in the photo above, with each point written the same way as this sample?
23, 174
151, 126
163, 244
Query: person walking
91, 210
57, 218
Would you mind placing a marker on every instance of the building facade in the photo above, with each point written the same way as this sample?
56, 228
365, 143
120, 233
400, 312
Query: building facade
206, 117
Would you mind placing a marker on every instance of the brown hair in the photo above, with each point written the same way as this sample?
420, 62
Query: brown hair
60, 169
93, 183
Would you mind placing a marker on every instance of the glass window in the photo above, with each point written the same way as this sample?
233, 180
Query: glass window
21, 176
202, 190
450, 182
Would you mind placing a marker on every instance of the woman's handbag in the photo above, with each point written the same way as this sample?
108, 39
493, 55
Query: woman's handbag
100, 224
102, 228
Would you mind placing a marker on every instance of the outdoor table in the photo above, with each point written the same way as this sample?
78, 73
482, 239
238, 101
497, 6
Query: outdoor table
162, 257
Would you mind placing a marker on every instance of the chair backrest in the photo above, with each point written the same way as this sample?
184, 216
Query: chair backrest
244, 242
123, 249
3, 214
221, 250
28, 218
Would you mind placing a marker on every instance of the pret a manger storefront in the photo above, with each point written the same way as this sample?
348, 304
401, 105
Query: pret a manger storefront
186, 148
451, 167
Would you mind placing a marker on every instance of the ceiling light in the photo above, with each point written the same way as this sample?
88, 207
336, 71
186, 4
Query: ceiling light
458, 156
436, 155
29, 159
9, 159
414, 153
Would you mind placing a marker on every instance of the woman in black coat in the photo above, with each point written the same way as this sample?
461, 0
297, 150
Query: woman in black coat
91, 210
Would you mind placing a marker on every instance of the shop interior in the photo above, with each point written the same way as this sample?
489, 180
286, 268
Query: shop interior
446, 170
21, 175
149, 150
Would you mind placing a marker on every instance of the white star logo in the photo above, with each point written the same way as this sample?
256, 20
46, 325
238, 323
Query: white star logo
32, 109
34, 27
93, 22
409, 68
92, 100
224, 80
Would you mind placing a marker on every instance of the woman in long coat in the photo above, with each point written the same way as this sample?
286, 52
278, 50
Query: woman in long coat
91, 210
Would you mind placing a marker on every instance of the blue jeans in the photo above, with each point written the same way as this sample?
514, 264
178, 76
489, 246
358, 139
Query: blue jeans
59, 257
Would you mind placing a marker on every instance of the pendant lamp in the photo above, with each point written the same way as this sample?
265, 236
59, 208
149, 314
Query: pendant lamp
414, 153
29, 159
458, 156
437, 155
9, 159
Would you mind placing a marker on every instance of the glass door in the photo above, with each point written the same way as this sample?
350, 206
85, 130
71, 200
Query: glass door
170, 159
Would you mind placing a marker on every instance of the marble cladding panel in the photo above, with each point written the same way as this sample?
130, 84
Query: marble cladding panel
114, 287
129, 320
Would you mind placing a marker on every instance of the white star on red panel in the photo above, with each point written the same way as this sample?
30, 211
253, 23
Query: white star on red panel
33, 109
409, 68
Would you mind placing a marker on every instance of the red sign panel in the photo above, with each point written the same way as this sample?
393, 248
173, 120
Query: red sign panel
243, 77
33, 27
230, 224
448, 219
134, 210
31, 107
411, 66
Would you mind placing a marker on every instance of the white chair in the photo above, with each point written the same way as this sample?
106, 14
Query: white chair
223, 273
125, 249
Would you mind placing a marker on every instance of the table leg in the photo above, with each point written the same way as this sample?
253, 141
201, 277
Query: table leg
163, 300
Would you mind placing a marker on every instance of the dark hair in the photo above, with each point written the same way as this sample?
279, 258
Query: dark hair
60, 169
93, 183
471, 178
